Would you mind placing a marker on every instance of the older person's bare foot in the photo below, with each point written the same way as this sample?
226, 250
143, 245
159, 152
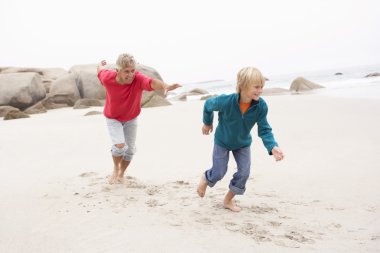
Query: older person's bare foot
232, 206
122, 180
201, 190
114, 177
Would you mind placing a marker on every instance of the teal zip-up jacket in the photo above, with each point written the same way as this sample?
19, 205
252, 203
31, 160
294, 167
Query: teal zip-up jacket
234, 128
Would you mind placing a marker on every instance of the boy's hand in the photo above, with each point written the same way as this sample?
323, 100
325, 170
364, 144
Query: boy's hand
277, 153
207, 129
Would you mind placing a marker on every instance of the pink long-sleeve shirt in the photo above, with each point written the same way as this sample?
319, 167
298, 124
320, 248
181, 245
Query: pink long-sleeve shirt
123, 102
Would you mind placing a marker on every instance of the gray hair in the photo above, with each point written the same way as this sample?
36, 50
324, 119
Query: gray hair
249, 76
125, 60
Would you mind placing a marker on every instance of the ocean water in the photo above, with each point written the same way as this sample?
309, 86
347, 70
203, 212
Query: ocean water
351, 82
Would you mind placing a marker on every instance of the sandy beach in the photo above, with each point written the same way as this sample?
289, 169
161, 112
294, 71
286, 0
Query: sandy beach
324, 197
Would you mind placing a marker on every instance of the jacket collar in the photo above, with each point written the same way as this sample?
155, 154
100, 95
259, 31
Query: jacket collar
237, 99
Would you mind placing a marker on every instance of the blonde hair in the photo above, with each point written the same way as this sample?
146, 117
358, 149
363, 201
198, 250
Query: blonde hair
125, 60
249, 76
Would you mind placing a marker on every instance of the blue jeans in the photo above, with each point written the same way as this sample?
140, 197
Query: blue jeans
220, 159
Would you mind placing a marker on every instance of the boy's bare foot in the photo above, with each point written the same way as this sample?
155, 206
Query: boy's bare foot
232, 206
202, 186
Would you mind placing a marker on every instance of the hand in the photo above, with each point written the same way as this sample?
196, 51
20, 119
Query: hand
171, 87
102, 63
207, 129
277, 153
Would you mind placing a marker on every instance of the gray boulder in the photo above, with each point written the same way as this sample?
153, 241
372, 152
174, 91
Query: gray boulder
64, 90
58, 102
275, 91
156, 100
15, 115
148, 71
146, 96
6, 108
180, 97
89, 86
373, 74
205, 97
208, 96
21, 90
302, 84
36, 109
198, 91
87, 81
86, 103
194, 92
48, 75
92, 113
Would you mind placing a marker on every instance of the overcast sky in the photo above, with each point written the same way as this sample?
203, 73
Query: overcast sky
194, 40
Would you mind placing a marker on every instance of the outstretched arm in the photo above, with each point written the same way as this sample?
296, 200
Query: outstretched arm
159, 85
101, 64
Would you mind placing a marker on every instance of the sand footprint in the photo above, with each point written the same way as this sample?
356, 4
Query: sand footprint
178, 184
293, 239
333, 208
88, 174
106, 189
255, 232
186, 201
96, 181
152, 190
89, 195
205, 221
275, 223
181, 182
176, 223
266, 195
295, 236
154, 203
232, 226
334, 225
47, 196
133, 183
288, 244
262, 209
